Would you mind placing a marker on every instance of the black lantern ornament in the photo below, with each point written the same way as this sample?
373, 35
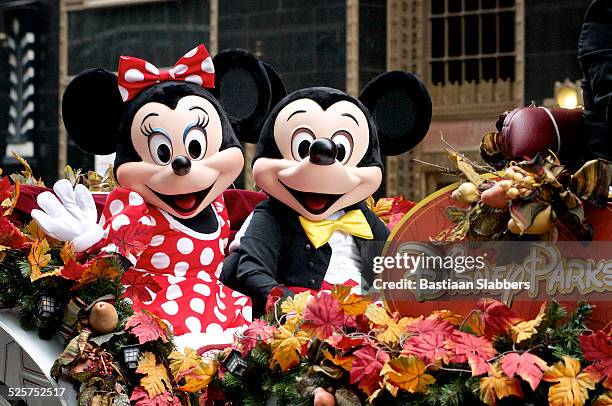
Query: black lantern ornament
47, 311
131, 353
235, 363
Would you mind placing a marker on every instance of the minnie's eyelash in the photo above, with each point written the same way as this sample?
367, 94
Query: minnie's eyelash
202, 121
146, 131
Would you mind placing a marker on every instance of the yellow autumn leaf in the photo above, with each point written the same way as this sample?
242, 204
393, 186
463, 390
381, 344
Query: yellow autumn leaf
67, 252
296, 305
100, 269
465, 167
34, 232
604, 400
182, 361
474, 322
525, 329
38, 258
391, 330
452, 318
156, 380
352, 304
498, 386
343, 362
10, 202
571, 386
287, 347
199, 378
406, 373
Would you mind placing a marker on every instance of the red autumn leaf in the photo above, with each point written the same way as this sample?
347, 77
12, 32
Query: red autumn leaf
141, 398
366, 368
274, 297
257, 331
529, 367
475, 350
597, 348
431, 324
73, 270
399, 208
323, 316
10, 235
343, 343
429, 347
131, 238
139, 285
496, 316
146, 327
5, 189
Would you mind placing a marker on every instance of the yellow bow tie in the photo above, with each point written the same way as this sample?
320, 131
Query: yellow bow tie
353, 223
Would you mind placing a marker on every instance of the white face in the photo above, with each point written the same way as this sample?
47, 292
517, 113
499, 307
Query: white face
192, 131
313, 190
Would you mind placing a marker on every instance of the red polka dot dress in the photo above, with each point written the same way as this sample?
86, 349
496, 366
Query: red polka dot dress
186, 264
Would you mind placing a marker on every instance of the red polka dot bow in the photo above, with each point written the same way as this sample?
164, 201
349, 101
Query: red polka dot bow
135, 75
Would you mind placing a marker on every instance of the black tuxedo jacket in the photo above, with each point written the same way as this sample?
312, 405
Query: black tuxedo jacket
276, 251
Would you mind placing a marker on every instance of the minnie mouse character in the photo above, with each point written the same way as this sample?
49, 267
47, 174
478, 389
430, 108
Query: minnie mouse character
319, 157
175, 134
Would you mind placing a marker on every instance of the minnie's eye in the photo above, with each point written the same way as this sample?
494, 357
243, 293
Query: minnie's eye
195, 143
300, 143
344, 143
160, 149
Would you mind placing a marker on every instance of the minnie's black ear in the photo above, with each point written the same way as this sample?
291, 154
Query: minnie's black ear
401, 108
92, 109
245, 90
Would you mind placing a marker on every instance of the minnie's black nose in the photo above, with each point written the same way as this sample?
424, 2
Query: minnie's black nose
323, 151
181, 165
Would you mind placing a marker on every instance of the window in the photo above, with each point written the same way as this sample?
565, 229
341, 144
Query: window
472, 41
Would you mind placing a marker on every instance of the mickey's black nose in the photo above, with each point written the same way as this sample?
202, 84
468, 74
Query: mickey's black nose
181, 165
323, 151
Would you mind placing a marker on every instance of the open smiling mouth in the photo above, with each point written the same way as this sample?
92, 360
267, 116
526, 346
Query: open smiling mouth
186, 203
316, 203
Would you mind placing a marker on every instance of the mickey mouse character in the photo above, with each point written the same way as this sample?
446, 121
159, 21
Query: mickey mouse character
318, 158
175, 134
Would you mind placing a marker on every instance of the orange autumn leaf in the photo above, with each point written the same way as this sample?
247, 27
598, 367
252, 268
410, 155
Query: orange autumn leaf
287, 347
9, 203
390, 329
525, 329
199, 377
67, 252
571, 386
498, 386
100, 268
34, 232
345, 363
156, 380
406, 373
38, 258
604, 400
474, 322
447, 315
352, 304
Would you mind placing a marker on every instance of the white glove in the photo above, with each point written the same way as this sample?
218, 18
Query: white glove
74, 219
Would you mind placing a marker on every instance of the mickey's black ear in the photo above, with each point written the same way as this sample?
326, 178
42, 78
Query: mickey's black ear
401, 107
91, 110
245, 90
276, 84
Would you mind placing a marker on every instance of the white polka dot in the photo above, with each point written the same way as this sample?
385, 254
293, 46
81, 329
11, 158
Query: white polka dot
207, 256
218, 207
115, 206
151, 68
179, 69
133, 75
157, 240
135, 199
241, 301
207, 65
172, 280
194, 79
205, 276
146, 220
173, 292
159, 260
180, 269
193, 324
171, 73
197, 305
191, 53
219, 270
171, 308
202, 289
184, 245
247, 313
214, 329
119, 221
221, 245
220, 316
123, 92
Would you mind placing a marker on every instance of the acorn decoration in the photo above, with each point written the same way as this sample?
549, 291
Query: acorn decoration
103, 318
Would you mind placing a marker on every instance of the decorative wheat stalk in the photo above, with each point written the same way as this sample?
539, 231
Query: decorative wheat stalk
21, 78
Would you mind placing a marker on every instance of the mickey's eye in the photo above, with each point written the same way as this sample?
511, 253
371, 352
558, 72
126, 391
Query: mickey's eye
344, 142
300, 143
195, 143
160, 148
